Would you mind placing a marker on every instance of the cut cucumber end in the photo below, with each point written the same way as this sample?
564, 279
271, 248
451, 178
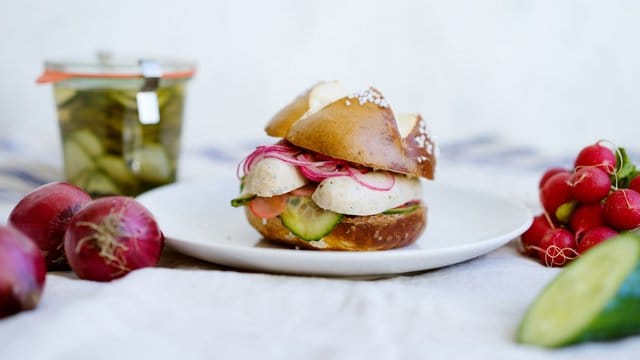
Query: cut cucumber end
569, 307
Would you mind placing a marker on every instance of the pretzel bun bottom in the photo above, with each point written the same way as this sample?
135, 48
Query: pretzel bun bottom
353, 233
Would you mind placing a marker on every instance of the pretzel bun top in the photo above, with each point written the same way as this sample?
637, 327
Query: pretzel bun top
360, 128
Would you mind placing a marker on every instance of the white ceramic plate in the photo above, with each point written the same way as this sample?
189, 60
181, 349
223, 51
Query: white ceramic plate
197, 220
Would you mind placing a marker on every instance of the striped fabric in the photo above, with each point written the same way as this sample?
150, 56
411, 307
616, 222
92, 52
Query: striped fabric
21, 171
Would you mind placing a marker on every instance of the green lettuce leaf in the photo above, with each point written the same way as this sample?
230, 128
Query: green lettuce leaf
242, 200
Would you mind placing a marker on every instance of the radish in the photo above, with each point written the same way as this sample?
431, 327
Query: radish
549, 173
555, 192
558, 247
586, 217
43, 215
531, 238
110, 237
622, 209
589, 185
22, 272
306, 190
595, 236
598, 156
268, 207
635, 184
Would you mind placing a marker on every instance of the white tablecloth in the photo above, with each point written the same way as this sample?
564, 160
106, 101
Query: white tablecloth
189, 309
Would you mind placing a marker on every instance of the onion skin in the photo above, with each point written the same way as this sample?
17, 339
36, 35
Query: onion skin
43, 215
110, 237
22, 272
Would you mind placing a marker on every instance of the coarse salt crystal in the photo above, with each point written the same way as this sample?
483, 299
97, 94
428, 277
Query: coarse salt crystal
370, 95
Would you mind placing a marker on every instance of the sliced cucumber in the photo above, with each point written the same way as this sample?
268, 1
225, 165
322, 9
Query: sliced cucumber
63, 94
98, 184
152, 164
117, 170
81, 179
597, 297
80, 149
76, 160
306, 220
164, 95
125, 98
400, 210
88, 141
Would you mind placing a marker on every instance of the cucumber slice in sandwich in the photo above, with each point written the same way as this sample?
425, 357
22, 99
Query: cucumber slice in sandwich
307, 220
597, 297
401, 210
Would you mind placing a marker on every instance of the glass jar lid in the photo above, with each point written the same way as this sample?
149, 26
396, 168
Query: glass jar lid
107, 68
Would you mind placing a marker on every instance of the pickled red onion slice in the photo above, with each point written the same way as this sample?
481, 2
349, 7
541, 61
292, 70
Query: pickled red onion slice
314, 167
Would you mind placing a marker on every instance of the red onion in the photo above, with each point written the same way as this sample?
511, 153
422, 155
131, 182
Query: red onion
282, 149
22, 272
315, 167
110, 237
357, 176
43, 215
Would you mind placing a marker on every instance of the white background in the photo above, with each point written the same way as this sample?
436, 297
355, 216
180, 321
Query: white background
553, 74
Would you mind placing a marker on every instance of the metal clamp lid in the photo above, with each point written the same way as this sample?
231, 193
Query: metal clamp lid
148, 108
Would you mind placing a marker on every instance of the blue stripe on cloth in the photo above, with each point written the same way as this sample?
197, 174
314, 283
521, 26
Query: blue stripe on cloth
481, 150
7, 196
24, 176
462, 146
487, 150
7, 145
217, 154
492, 151
484, 150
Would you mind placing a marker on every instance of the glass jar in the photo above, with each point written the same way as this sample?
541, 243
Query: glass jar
120, 122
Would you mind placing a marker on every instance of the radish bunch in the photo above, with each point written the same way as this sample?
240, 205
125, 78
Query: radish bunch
584, 206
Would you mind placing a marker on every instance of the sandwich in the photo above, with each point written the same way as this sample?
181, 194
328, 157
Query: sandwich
345, 174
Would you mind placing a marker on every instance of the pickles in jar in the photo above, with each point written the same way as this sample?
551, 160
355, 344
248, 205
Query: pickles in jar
107, 150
